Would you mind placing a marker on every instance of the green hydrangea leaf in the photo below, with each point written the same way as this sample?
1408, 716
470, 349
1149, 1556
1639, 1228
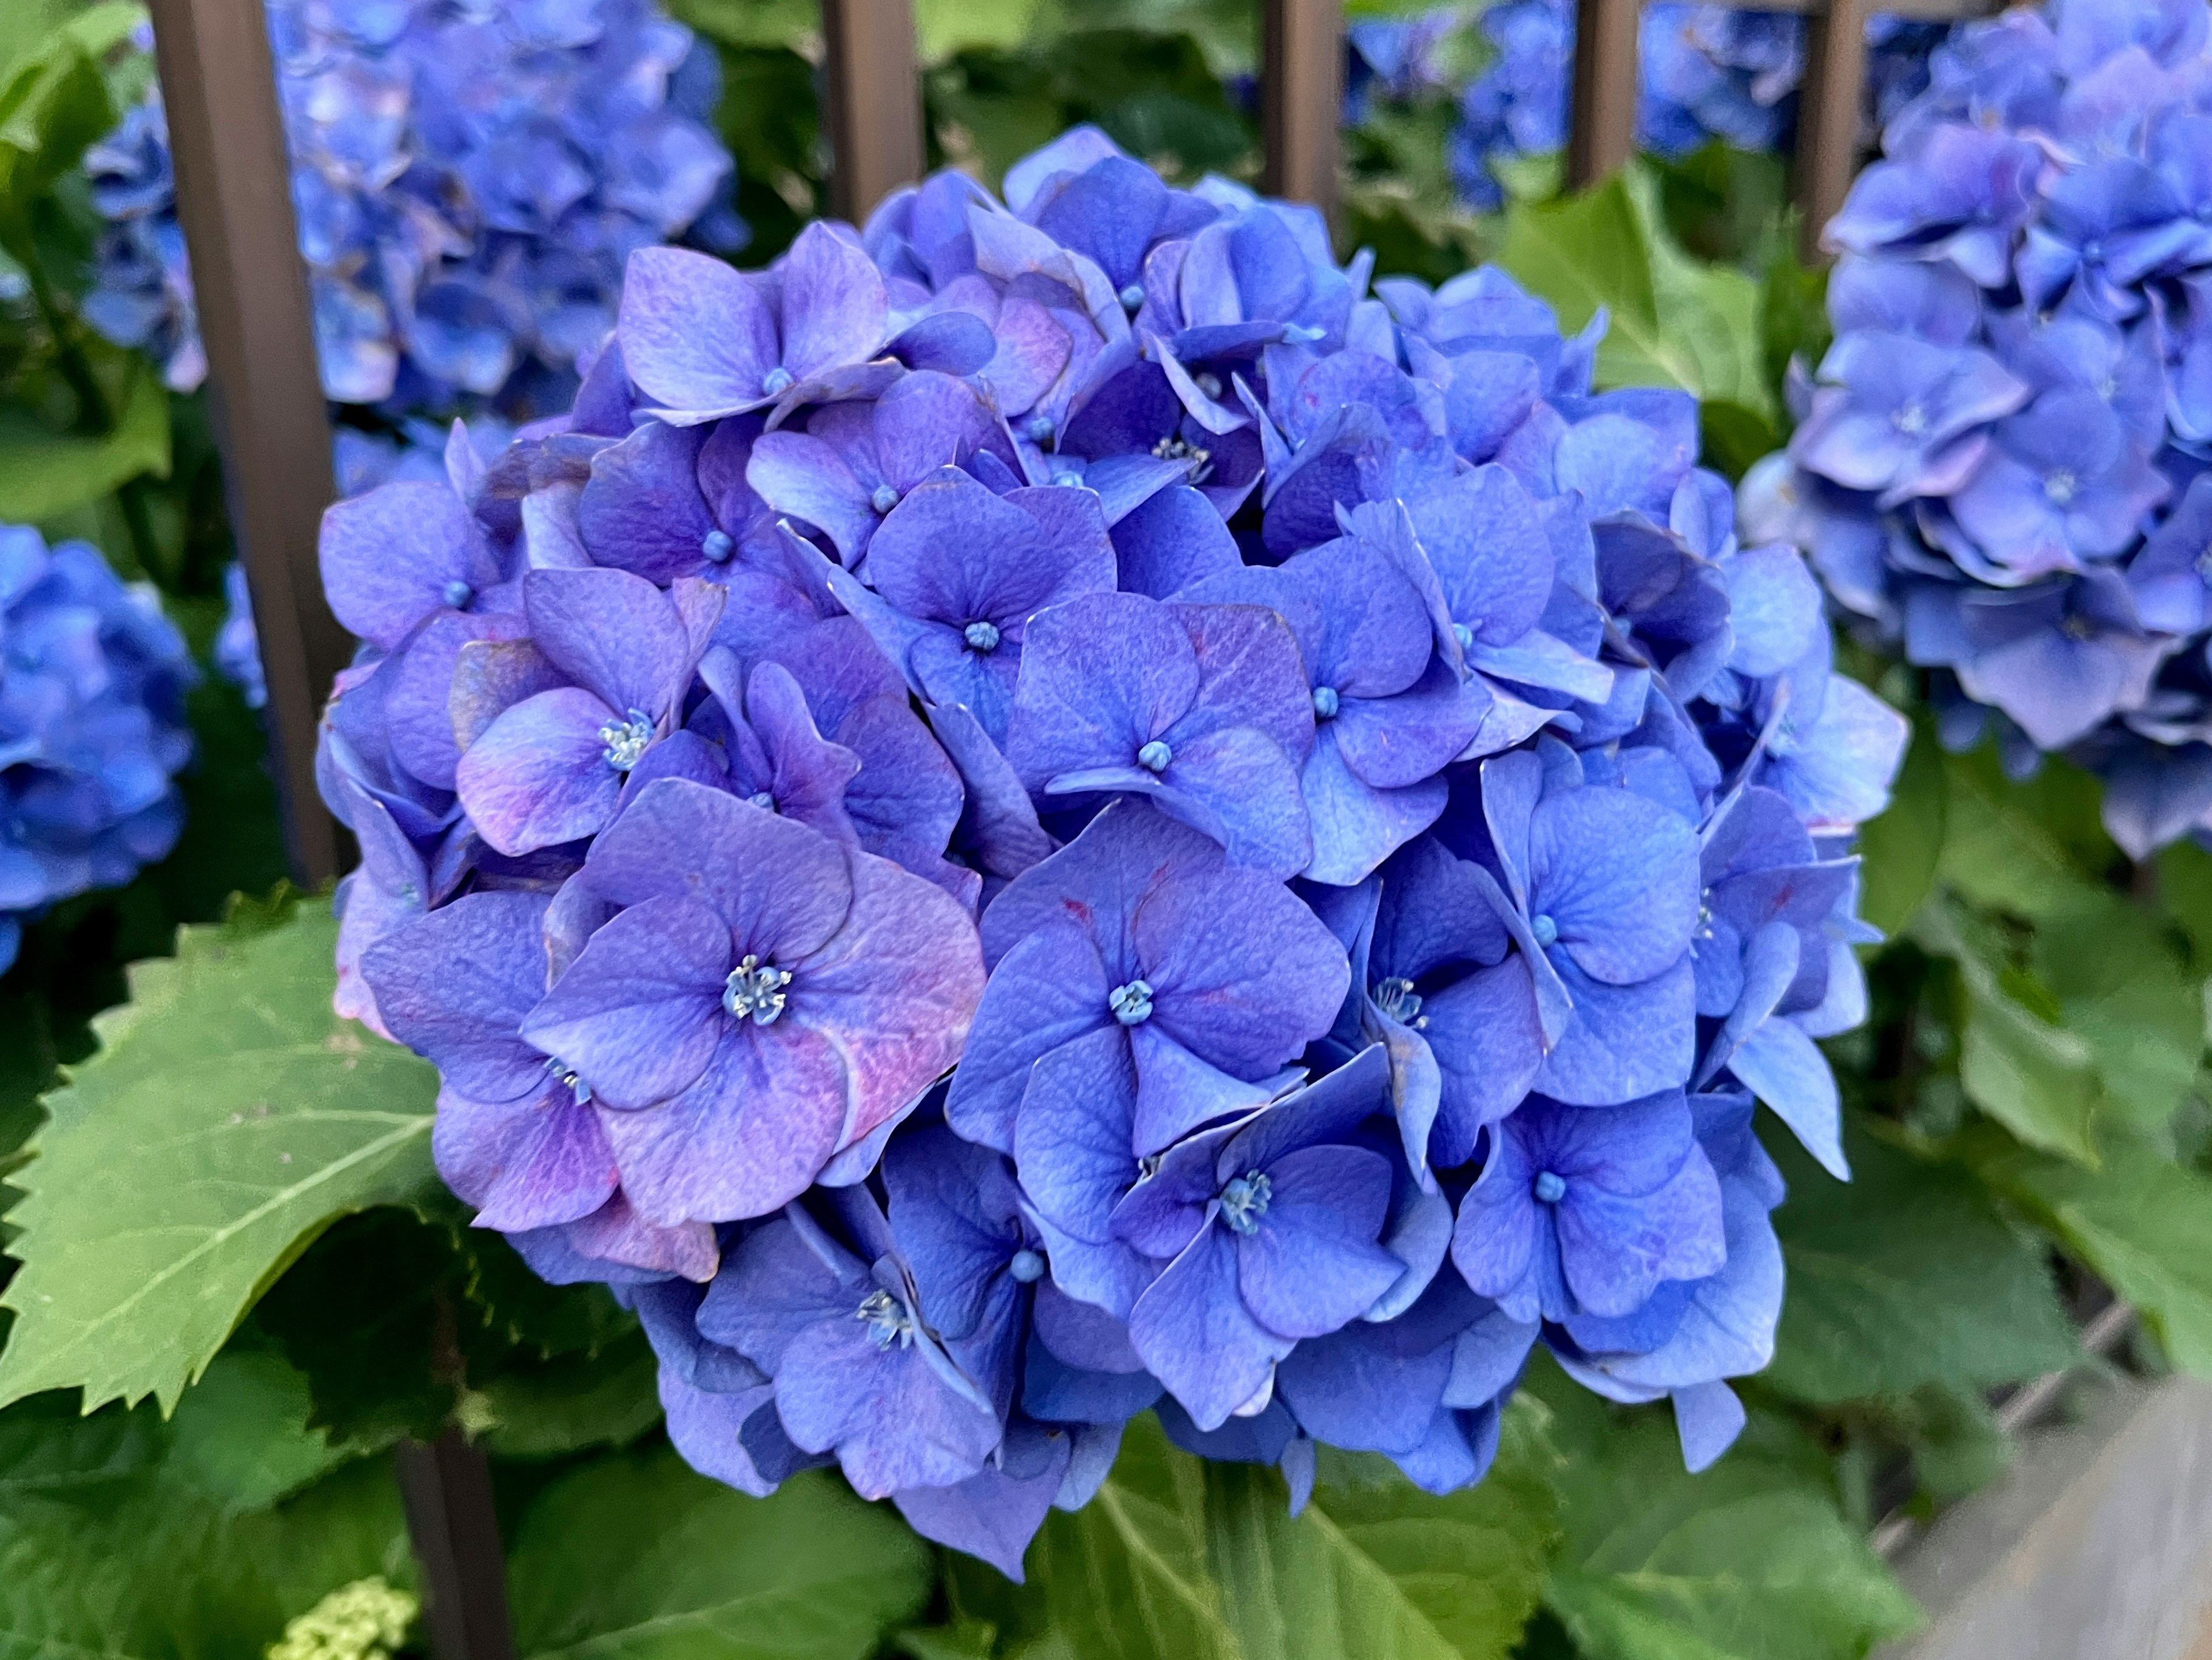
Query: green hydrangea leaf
539, 1409
1751, 1561
1179, 1560
1904, 1277
44, 473
2032, 1075
2027, 849
2142, 1222
240, 1436
1674, 321
228, 1118
638, 1555
1900, 849
2123, 989
147, 1570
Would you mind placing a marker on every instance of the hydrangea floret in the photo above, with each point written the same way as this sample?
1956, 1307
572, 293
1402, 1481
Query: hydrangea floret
468, 180
1059, 806
2001, 468
92, 678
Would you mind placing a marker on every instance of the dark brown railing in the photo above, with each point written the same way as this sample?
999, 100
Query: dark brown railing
234, 200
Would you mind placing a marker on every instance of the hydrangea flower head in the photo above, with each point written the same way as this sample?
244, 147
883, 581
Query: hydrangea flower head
1998, 471
1064, 807
92, 680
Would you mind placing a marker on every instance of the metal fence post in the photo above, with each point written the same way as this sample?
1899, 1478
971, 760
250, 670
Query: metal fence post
235, 198
1302, 99
447, 1487
1602, 128
1828, 117
874, 112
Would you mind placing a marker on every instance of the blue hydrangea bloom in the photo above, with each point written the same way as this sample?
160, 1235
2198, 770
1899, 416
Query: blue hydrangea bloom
92, 680
468, 183
1062, 808
1999, 471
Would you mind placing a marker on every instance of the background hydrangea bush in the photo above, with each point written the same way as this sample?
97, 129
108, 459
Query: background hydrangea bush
468, 181
92, 728
2000, 465
1360, 824
1708, 74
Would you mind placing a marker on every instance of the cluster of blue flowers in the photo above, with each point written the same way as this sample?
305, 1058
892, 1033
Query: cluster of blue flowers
469, 178
1055, 809
1707, 72
2002, 464
92, 680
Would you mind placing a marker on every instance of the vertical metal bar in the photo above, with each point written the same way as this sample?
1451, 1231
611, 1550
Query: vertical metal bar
1302, 98
874, 102
1601, 129
235, 198
1828, 116
446, 1488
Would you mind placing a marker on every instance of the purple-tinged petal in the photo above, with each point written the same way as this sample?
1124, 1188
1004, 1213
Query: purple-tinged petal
455, 986
533, 1162
798, 474
782, 888
1050, 988
1196, 1335
746, 1139
894, 991
539, 775
696, 337
1071, 1140
1313, 1265
638, 1016
393, 556
835, 307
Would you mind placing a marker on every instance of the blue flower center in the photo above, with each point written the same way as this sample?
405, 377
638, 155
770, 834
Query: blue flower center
2092, 252
1244, 1201
2078, 627
1325, 702
1395, 999
1132, 298
776, 382
1069, 481
1546, 930
565, 1075
1132, 1004
2059, 487
627, 741
1910, 421
1464, 635
458, 593
1550, 1188
1207, 382
1039, 428
886, 1319
884, 499
1155, 757
762, 799
717, 546
1028, 1266
755, 991
982, 635
1303, 334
